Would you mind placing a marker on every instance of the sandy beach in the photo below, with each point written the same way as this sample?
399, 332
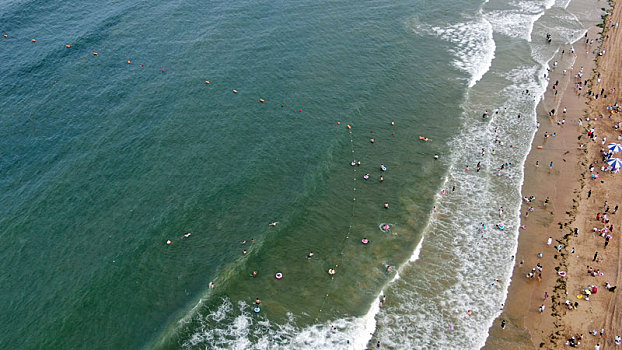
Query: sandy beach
553, 311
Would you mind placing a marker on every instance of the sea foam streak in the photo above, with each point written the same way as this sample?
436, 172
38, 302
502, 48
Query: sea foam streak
236, 332
474, 47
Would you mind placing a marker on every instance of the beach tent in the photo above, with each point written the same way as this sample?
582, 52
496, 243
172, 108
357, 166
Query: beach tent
615, 162
616, 147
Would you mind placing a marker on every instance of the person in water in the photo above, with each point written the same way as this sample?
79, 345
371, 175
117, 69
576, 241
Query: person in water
310, 255
386, 205
257, 301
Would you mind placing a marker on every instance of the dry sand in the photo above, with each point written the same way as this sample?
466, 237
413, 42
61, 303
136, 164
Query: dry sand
567, 184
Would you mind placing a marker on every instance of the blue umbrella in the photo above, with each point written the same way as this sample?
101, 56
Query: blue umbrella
616, 147
615, 162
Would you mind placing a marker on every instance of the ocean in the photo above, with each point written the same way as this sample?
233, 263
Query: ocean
130, 186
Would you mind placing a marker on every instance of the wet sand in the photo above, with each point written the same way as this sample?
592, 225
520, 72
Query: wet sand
567, 185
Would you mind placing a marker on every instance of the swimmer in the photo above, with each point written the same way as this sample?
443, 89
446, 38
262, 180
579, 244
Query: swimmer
381, 178
273, 223
436, 156
386, 205
372, 140
243, 242
257, 301
392, 123
386, 227
254, 273
366, 176
353, 163
187, 235
382, 167
211, 285
244, 252
364, 241
389, 268
310, 255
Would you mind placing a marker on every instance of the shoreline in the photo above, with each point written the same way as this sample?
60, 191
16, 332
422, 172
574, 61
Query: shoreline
565, 217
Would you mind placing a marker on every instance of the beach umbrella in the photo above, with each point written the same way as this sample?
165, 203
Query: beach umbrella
615, 162
616, 147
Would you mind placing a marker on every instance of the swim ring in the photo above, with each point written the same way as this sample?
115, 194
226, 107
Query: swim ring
364, 241
278, 275
257, 309
562, 273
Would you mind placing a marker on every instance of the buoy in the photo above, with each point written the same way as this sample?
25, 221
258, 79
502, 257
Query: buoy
235, 91
539, 147
142, 65
67, 46
207, 82
262, 100
282, 105
338, 123
300, 110
392, 133
163, 71
169, 242
129, 62
278, 275
95, 54
34, 40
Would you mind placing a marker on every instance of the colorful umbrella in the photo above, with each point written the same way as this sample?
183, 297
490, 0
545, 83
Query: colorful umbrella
615, 162
616, 147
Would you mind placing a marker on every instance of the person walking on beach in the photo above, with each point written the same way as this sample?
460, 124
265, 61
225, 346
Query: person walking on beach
542, 307
595, 256
551, 165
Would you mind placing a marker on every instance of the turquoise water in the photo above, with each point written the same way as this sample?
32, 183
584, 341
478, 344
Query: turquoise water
103, 161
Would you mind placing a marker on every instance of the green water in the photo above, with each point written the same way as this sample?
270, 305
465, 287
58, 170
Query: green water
102, 161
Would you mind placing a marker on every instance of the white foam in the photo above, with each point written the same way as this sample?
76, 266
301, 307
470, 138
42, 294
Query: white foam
238, 327
474, 47
415, 256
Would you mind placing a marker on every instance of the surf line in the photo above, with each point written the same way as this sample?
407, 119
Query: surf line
347, 236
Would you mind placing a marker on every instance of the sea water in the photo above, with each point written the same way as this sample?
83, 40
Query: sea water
105, 158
